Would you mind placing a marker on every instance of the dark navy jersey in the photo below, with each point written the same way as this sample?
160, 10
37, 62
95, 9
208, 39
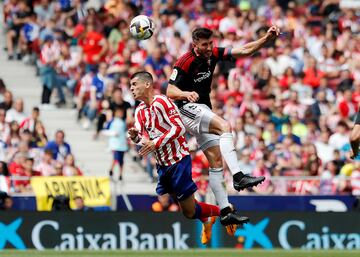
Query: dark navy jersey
357, 120
194, 73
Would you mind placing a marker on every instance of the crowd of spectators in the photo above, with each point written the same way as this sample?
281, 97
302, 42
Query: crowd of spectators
25, 150
291, 105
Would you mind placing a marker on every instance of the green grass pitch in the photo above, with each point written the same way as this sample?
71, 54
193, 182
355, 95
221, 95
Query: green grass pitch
185, 253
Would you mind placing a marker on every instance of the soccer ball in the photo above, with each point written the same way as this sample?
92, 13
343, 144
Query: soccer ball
142, 27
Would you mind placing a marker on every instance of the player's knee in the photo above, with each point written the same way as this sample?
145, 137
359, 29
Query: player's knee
225, 127
217, 161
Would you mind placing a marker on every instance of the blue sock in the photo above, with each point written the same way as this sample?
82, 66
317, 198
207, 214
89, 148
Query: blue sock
197, 214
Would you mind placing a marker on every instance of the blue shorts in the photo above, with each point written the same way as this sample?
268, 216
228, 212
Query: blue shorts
119, 157
176, 179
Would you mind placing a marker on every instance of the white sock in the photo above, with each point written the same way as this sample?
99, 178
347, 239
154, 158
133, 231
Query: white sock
228, 152
217, 185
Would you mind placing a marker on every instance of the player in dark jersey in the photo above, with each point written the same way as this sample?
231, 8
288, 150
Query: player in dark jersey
355, 137
190, 87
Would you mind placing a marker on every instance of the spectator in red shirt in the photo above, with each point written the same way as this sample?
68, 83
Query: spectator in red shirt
346, 106
287, 78
312, 74
28, 172
356, 93
16, 168
137, 55
29, 123
94, 45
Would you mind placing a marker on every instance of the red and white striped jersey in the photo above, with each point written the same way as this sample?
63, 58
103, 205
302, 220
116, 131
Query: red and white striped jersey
161, 123
50, 53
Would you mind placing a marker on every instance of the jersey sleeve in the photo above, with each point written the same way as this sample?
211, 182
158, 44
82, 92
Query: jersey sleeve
223, 54
177, 77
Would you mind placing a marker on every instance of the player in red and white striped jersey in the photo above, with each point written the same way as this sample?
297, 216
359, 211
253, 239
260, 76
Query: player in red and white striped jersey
162, 124
159, 129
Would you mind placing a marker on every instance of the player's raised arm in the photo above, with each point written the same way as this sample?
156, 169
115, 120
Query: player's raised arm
254, 46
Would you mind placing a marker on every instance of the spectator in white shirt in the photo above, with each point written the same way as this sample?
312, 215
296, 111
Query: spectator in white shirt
16, 113
4, 127
341, 137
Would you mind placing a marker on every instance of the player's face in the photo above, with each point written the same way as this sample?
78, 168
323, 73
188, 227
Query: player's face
204, 47
137, 88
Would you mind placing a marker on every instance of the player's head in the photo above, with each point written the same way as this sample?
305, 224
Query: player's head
203, 41
141, 83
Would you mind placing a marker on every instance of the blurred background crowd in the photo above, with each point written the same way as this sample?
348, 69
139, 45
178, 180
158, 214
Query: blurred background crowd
291, 105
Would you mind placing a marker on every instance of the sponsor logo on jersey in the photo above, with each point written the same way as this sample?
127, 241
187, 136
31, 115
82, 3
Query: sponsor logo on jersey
203, 75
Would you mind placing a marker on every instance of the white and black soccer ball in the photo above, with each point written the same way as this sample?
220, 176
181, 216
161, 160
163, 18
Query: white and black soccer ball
142, 27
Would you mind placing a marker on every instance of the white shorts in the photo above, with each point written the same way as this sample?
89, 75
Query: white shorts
196, 118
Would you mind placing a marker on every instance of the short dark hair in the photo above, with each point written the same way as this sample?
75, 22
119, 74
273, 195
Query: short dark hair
342, 123
48, 151
118, 89
2, 84
143, 75
60, 131
201, 33
26, 131
118, 108
30, 159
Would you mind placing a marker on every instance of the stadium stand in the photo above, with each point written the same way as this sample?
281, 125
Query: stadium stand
291, 105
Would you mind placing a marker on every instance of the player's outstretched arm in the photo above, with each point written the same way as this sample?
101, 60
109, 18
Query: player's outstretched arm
254, 46
175, 93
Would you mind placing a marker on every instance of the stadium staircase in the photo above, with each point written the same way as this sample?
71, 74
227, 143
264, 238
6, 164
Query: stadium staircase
91, 156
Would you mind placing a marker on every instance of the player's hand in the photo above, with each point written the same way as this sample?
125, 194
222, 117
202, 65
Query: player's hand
133, 133
273, 32
148, 147
192, 97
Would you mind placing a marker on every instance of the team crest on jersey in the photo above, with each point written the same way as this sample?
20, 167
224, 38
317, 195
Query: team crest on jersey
174, 74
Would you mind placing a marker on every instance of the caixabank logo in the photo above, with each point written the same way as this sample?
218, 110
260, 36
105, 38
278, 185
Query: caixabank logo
309, 232
9, 236
252, 234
